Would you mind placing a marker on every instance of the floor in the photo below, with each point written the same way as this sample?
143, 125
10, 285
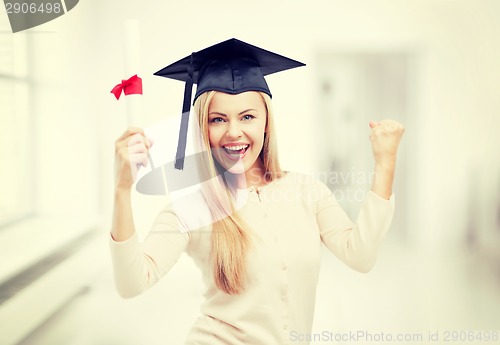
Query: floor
424, 297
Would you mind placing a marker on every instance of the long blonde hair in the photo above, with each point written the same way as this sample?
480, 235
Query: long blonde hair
231, 237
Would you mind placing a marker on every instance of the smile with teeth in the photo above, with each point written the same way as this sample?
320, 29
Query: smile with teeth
236, 150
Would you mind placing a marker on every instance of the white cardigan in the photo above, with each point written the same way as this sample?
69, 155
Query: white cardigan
290, 218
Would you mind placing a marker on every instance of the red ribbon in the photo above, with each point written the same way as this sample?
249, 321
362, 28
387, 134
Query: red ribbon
133, 85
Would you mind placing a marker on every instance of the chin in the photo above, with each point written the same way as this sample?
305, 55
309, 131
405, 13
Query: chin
231, 167
236, 169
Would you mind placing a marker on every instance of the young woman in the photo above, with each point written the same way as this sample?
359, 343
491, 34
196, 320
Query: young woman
261, 258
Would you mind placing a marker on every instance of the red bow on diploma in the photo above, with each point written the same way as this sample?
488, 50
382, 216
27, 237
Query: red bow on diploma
133, 85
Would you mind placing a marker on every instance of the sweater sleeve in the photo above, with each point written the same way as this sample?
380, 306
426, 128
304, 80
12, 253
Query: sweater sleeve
138, 266
356, 244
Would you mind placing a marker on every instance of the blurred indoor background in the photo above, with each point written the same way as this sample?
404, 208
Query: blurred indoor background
432, 65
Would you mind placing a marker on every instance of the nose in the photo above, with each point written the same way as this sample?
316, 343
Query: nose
234, 130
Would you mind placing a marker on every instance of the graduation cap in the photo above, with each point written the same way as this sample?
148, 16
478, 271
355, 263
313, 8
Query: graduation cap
233, 67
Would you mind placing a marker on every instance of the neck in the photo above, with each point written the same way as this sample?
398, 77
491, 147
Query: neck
253, 177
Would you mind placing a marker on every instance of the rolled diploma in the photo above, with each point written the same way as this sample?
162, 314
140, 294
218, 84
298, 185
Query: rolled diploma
134, 102
132, 65
134, 110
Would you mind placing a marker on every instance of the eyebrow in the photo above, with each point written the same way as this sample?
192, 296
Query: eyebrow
222, 114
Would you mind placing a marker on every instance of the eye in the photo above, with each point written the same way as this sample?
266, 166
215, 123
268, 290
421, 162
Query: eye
216, 120
248, 117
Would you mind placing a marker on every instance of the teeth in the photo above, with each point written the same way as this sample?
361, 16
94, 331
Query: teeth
236, 148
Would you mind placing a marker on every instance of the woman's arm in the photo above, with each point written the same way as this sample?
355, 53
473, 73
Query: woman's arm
357, 243
131, 151
385, 137
122, 227
137, 266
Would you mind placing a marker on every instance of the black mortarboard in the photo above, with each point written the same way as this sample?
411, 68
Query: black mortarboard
232, 67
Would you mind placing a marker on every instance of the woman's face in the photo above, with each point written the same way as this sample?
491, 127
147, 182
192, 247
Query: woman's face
236, 127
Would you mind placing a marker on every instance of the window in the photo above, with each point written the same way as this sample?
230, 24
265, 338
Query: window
16, 134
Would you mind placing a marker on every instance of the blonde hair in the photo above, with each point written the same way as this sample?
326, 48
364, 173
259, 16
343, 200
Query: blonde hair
231, 237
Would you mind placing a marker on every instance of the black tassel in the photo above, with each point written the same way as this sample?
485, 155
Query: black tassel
186, 108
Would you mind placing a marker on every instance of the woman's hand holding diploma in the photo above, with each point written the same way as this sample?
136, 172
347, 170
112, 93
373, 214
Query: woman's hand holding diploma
131, 152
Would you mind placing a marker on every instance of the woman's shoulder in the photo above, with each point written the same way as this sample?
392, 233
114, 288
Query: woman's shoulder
190, 210
307, 187
301, 177
302, 180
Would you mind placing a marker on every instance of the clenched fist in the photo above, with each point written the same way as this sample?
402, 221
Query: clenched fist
385, 137
131, 152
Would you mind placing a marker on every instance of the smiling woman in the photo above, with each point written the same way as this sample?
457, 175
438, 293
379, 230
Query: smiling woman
260, 261
229, 123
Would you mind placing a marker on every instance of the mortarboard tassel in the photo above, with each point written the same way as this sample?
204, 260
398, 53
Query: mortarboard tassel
186, 108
